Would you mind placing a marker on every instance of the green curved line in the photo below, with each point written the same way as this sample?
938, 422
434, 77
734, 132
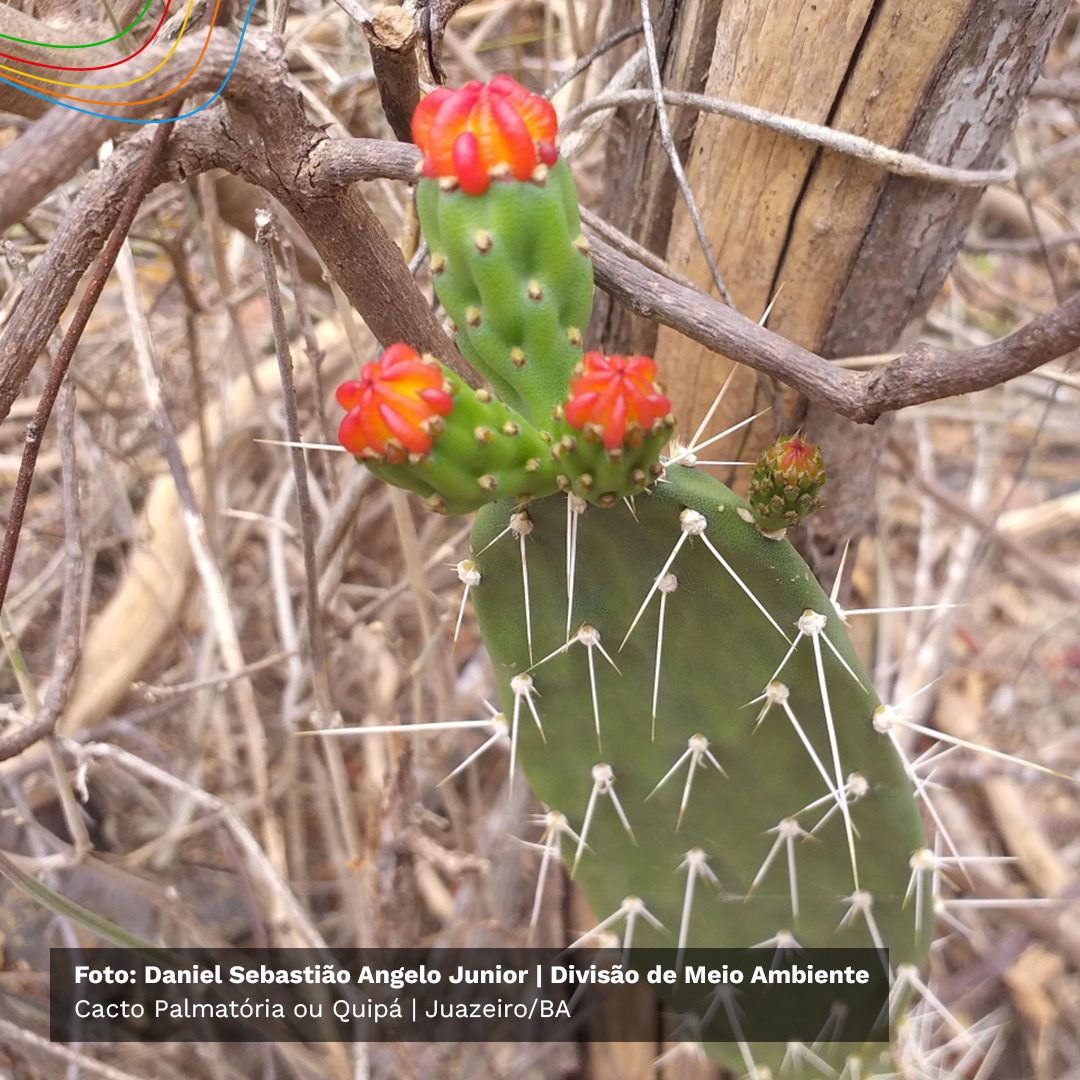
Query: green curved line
88, 45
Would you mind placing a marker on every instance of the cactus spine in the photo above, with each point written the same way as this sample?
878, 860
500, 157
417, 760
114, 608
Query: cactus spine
681, 692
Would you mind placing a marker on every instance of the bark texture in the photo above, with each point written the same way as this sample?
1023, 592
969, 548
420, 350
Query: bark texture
852, 256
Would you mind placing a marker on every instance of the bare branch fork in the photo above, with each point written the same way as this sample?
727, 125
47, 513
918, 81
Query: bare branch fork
264, 137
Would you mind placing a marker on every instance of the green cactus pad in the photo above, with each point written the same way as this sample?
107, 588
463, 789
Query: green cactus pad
754, 666
512, 269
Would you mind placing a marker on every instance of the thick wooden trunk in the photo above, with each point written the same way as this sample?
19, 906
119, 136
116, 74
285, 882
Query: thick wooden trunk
852, 255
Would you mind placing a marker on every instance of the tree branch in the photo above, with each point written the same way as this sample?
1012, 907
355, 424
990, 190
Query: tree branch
262, 134
265, 138
923, 373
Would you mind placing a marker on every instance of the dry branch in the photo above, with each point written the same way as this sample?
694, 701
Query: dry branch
392, 38
266, 138
126, 211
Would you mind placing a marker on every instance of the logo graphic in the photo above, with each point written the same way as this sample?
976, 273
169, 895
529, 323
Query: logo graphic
42, 69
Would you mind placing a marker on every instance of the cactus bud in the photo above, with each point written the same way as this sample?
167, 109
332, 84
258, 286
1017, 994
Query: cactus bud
785, 483
480, 131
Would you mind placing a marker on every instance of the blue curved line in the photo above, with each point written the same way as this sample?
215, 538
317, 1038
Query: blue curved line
125, 120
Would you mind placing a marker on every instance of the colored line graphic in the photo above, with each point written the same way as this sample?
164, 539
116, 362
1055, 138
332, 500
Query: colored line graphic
100, 67
89, 44
130, 82
55, 99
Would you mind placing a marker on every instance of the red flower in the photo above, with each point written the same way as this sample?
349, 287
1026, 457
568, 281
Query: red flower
478, 131
391, 406
797, 454
615, 394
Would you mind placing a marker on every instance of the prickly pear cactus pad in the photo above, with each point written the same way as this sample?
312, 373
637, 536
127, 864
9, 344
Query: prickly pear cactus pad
700, 722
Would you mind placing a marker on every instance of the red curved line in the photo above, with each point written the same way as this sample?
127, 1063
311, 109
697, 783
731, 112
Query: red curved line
100, 67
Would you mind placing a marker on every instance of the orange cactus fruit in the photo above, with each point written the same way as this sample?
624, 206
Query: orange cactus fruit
615, 397
481, 131
395, 408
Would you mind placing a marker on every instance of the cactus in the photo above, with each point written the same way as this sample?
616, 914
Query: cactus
786, 483
678, 688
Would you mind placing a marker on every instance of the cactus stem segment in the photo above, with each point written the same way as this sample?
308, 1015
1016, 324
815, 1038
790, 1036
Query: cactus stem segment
555, 828
695, 864
500, 734
631, 909
603, 783
691, 523
469, 576
697, 750
787, 832
830, 726
668, 584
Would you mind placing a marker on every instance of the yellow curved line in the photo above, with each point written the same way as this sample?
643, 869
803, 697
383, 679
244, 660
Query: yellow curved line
111, 86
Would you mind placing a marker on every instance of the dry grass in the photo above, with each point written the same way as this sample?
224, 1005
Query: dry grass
207, 820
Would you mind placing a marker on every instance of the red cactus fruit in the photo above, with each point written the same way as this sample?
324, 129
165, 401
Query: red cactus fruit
390, 408
615, 396
477, 131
